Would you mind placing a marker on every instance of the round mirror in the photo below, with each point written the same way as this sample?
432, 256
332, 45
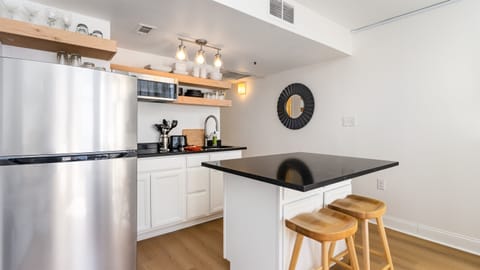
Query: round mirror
295, 106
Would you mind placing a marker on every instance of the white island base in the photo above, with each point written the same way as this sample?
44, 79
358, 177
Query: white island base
255, 236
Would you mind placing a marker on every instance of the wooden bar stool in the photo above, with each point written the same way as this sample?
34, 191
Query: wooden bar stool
325, 226
363, 209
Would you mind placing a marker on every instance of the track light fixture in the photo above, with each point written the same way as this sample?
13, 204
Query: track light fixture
200, 55
218, 59
181, 53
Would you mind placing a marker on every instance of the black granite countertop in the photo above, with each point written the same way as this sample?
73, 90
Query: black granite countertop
300, 171
204, 150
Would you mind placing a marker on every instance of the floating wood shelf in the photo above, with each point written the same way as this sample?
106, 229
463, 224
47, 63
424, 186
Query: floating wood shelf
182, 79
27, 35
203, 101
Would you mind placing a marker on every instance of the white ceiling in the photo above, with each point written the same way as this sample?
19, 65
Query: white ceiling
244, 39
357, 13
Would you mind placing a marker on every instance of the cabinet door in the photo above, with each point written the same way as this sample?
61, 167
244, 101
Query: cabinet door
143, 202
216, 191
197, 179
197, 205
167, 197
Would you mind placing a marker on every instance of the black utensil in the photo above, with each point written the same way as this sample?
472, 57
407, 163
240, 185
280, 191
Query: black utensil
174, 124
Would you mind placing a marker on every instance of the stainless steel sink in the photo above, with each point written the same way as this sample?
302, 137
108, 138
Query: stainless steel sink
217, 147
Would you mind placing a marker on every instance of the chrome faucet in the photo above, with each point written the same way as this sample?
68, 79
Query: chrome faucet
205, 127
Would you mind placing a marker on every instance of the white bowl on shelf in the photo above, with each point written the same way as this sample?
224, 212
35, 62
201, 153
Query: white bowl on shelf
159, 68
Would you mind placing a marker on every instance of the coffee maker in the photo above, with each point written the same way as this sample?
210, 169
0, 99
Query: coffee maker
164, 128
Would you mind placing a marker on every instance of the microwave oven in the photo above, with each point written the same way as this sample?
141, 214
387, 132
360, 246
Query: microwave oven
155, 88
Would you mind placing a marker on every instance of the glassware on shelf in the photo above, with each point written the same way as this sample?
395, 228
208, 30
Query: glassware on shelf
82, 29
75, 60
62, 58
51, 18
12, 7
32, 10
97, 33
67, 21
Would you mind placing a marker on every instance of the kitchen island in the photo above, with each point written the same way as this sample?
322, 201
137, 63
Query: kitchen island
261, 192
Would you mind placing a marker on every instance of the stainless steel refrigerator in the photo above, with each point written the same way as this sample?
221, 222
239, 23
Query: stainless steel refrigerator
67, 168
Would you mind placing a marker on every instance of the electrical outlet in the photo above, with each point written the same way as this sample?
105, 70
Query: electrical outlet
381, 185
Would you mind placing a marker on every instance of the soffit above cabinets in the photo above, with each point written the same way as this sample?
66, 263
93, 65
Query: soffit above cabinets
250, 45
354, 14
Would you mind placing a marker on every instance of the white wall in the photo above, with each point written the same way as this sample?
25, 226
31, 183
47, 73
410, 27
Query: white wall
414, 88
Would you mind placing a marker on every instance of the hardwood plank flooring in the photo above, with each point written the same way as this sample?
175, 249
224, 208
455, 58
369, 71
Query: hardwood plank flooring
201, 248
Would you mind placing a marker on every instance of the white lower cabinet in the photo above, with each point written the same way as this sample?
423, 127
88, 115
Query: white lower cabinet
167, 193
143, 201
216, 191
198, 183
197, 205
216, 180
177, 192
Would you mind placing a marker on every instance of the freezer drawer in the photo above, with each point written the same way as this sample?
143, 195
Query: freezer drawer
76, 215
57, 109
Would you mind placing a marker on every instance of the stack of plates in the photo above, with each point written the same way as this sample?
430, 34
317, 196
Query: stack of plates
194, 93
159, 68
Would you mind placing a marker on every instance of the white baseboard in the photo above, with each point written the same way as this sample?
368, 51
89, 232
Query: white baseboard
443, 237
163, 230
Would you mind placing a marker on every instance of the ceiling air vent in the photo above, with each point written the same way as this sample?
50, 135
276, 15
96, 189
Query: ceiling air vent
282, 10
288, 12
144, 29
233, 75
276, 8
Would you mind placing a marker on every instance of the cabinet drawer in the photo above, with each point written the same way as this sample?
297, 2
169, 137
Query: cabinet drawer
197, 205
226, 155
290, 195
197, 179
337, 192
196, 160
161, 164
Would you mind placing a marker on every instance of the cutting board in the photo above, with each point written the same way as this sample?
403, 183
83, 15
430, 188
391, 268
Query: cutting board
194, 136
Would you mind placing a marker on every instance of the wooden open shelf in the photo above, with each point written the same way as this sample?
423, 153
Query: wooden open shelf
203, 101
27, 35
182, 79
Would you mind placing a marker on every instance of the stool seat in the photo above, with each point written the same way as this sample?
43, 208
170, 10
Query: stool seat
359, 207
324, 225
364, 208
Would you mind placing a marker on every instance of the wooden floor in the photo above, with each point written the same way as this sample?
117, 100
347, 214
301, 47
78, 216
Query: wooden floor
200, 248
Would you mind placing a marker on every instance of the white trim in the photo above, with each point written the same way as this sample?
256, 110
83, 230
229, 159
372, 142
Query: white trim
454, 240
164, 230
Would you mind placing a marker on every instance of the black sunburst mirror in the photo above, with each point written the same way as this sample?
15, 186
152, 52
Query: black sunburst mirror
295, 106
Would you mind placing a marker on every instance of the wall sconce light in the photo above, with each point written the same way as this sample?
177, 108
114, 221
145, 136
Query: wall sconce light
242, 88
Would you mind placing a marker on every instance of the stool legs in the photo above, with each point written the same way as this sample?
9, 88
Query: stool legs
325, 258
296, 252
366, 245
352, 253
328, 249
383, 235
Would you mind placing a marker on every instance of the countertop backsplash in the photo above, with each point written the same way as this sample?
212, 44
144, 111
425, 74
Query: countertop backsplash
189, 117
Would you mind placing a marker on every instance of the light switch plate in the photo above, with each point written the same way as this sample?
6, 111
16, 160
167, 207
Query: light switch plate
348, 121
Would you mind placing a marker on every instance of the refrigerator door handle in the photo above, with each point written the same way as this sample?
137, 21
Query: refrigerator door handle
66, 158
